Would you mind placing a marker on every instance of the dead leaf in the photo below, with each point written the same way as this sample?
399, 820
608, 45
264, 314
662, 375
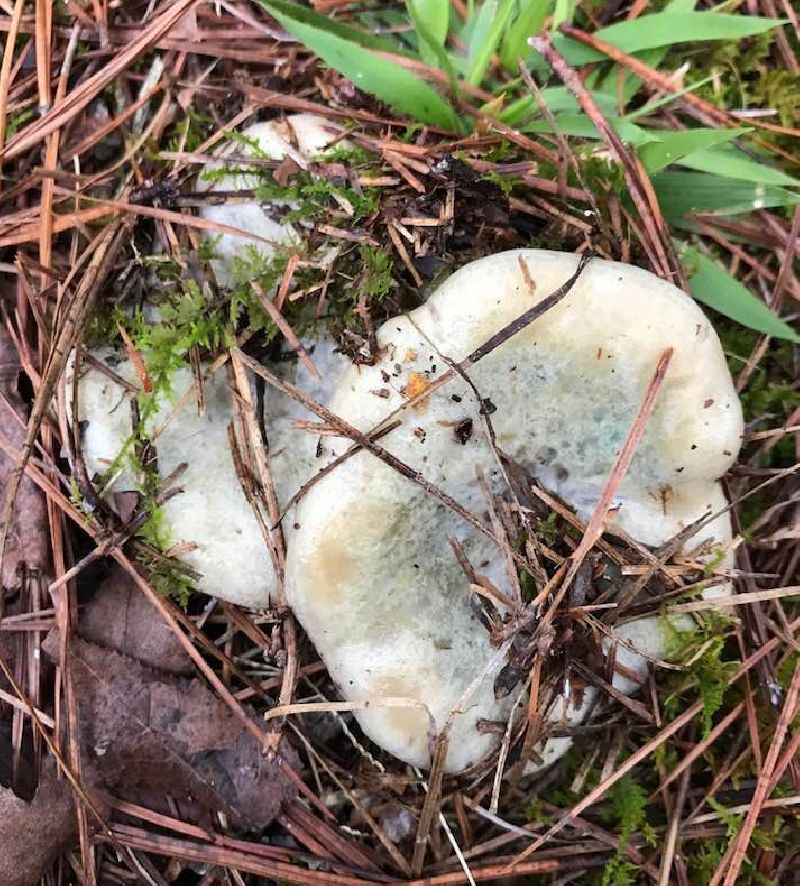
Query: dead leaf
284, 171
33, 835
149, 736
120, 617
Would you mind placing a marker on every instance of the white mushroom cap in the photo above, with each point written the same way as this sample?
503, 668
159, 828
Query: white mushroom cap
211, 512
370, 571
300, 137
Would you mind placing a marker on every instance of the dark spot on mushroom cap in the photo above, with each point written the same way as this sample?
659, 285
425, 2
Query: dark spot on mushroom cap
546, 455
463, 431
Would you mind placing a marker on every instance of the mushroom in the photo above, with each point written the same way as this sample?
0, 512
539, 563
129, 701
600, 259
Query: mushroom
209, 517
299, 137
371, 573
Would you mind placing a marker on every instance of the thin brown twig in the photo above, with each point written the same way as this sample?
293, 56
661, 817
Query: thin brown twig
742, 839
664, 256
711, 113
80, 97
642, 753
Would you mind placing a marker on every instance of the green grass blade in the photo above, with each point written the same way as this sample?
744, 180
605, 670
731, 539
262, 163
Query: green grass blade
580, 126
682, 193
431, 37
563, 12
436, 16
667, 99
528, 23
731, 163
674, 146
666, 29
305, 15
712, 285
387, 81
557, 99
492, 19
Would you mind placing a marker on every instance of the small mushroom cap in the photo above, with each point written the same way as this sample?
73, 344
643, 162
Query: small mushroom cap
300, 137
371, 573
211, 511
210, 517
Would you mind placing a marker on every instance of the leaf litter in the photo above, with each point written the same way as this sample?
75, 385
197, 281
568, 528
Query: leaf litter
150, 736
443, 198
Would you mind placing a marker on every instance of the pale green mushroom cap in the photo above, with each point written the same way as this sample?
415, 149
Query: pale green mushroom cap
371, 574
210, 520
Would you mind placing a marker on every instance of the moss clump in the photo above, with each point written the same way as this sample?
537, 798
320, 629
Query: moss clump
627, 813
710, 671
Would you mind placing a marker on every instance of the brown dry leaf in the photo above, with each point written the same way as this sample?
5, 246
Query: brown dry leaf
33, 835
27, 548
150, 736
120, 617
285, 170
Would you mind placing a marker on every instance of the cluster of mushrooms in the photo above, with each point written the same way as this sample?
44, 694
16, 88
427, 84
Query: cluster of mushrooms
370, 569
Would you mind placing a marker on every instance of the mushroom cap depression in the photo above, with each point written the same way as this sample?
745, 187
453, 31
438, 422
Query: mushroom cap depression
371, 573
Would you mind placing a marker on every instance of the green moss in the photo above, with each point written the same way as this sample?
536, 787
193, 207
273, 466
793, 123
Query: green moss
312, 197
503, 182
770, 397
714, 561
354, 155
708, 675
307, 197
733, 65
627, 813
190, 133
377, 277
743, 75
706, 858
549, 528
16, 121
779, 90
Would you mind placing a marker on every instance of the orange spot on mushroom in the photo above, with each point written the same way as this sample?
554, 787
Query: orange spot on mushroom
416, 386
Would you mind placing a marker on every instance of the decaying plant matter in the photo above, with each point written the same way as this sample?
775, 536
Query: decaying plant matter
109, 114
